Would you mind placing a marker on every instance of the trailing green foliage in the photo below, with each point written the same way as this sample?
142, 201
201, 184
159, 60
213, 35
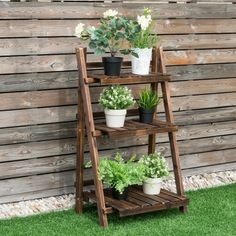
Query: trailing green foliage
155, 165
116, 97
118, 174
148, 99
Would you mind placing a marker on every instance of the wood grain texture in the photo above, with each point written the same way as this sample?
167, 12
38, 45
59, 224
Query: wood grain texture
38, 80
86, 10
36, 28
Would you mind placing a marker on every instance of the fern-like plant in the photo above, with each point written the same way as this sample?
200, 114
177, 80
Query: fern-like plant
119, 174
148, 99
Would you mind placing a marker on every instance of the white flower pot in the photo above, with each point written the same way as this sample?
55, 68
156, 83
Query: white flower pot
141, 65
152, 186
115, 118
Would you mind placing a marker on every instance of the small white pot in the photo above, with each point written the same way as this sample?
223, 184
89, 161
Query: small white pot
115, 118
152, 186
141, 65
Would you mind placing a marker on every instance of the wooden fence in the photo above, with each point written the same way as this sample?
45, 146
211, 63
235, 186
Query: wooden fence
38, 82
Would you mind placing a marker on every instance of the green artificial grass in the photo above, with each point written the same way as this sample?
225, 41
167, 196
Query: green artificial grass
211, 212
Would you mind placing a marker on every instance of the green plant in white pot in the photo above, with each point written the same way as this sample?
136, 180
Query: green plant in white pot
155, 168
115, 100
142, 43
119, 174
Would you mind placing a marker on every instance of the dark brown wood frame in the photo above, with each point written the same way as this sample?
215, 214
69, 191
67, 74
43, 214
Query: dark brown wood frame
137, 202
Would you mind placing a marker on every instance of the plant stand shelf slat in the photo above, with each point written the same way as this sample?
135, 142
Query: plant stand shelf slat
139, 202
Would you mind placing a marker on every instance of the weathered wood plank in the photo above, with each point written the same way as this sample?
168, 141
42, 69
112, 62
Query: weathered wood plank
54, 80
10, 47
200, 56
37, 116
86, 10
32, 150
36, 28
50, 63
43, 132
64, 180
191, 72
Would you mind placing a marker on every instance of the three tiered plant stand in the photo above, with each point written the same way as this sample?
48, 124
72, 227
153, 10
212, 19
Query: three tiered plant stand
137, 201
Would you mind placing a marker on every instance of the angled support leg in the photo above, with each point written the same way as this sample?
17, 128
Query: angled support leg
90, 129
80, 156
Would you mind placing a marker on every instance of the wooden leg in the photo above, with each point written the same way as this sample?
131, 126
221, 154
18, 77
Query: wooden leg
183, 209
151, 143
80, 157
98, 184
176, 163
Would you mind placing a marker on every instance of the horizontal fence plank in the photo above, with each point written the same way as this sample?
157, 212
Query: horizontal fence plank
63, 179
87, 10
69, 96
37, 116
58, 80
40, 46
50, 63
62, 163
68, 146
46, 28
20, 195
41, 132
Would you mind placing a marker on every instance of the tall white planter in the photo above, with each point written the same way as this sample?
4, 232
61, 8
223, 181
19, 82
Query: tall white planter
115, 118
152, 186
141, 65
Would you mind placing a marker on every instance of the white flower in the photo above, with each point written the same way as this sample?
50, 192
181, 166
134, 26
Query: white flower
144, 21
79, 29
110, 13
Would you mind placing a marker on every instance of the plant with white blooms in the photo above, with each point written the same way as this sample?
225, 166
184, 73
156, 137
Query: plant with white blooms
155, 165
116, 97
144, 37
110, 34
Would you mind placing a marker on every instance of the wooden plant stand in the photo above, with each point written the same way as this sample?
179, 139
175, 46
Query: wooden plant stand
137, 201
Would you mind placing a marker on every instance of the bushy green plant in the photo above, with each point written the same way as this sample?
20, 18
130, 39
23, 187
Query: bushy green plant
143, 38
118, 174
155, 165
112, 31
148, 99
116, 97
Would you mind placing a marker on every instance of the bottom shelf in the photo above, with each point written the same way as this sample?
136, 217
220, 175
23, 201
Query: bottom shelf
138, 202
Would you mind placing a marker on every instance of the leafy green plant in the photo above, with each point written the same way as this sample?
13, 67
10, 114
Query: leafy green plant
155, 165
143, 38
116, 97
118, 174
113, 30
148, 99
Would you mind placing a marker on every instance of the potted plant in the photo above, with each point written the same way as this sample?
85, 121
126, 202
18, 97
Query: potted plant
120, 175
109, 35
142, 42
148, 101
155, 167
115, 100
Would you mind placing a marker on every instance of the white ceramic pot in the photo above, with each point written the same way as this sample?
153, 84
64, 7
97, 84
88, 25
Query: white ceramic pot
115, 118
141, 65
152, 186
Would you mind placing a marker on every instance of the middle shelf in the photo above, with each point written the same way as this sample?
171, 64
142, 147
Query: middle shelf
134, 128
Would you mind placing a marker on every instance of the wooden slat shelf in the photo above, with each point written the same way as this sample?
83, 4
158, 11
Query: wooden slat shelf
134, 128
138, 202
127, 78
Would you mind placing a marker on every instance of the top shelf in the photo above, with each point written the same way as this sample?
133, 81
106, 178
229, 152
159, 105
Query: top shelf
127, 78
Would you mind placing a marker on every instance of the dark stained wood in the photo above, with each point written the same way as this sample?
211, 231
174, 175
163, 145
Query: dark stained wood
90, 128
137, 203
